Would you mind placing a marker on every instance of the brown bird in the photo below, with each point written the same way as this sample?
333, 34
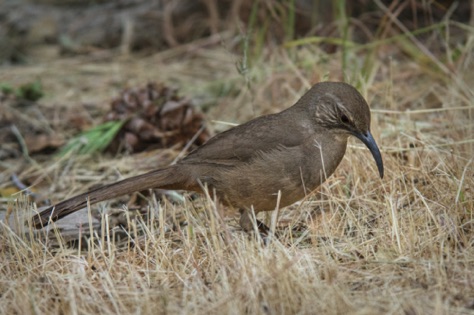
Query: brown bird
291, 152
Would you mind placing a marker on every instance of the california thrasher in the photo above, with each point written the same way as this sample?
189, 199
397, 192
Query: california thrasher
291, 152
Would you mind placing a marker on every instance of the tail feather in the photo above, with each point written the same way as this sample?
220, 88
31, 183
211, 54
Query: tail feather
165, 178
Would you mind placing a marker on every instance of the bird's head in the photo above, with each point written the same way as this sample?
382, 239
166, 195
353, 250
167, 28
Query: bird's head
340, 108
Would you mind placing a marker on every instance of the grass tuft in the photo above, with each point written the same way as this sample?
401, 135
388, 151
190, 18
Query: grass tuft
358, 245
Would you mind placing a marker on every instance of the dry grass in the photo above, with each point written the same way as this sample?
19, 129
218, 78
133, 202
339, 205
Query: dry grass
360, 245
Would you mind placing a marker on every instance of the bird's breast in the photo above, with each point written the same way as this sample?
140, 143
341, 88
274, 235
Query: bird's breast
288, 173
322, 156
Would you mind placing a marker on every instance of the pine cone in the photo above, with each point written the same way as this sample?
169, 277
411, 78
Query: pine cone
156, 117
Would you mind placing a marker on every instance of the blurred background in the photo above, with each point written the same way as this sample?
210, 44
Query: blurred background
37, 30
84, 61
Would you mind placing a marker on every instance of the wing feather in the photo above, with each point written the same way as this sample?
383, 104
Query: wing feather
246, 141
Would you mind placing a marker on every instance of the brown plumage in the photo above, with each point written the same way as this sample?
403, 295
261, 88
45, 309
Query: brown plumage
293, 152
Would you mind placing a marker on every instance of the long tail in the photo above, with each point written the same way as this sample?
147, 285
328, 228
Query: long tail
166, 178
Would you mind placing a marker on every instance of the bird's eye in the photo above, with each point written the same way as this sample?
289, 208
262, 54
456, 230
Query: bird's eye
345, 119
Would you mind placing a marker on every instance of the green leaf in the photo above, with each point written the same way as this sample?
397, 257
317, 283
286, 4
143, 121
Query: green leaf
32, 91
6, 88
93, 140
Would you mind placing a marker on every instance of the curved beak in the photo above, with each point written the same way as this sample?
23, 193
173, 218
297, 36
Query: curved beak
369, 141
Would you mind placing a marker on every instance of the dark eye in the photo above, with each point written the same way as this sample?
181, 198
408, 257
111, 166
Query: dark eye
345, 119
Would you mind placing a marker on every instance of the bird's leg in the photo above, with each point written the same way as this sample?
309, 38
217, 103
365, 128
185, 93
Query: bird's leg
247, 223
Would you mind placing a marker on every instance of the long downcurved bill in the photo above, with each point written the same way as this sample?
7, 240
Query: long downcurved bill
369, 141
